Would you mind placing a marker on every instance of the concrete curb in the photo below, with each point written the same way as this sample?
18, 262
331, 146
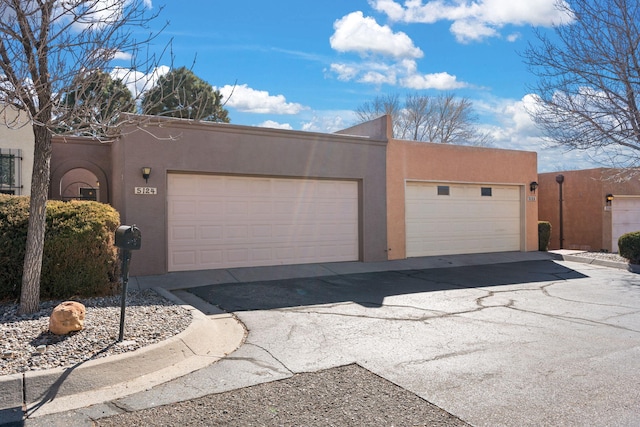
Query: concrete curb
206, 340
633, 268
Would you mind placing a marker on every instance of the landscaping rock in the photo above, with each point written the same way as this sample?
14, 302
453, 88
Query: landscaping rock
67, 317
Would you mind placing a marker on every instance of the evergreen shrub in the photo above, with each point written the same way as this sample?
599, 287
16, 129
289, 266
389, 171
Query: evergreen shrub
629, 247
79, 256
544, 235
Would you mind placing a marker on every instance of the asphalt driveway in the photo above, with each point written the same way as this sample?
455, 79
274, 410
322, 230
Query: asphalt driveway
524, 343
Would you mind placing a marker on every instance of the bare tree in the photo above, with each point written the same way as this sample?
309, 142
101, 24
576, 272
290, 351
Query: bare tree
45, 45
443, 119
412, 122
589, 79
379, 106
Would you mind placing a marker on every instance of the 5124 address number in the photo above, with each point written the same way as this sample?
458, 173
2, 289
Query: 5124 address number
145, 190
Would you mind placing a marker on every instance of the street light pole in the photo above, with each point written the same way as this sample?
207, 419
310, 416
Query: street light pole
560, 181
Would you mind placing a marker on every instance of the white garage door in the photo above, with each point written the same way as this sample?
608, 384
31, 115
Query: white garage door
625, 217
444, 219
227, 221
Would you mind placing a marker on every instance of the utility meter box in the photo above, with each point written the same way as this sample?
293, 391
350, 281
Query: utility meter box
128, 237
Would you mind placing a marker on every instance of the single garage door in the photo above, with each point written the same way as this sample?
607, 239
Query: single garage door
233, 221
444, 219
625, 217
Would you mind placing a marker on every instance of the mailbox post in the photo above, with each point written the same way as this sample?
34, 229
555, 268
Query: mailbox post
128, 238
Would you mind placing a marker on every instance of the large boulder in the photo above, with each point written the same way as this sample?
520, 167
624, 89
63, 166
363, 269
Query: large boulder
67, 317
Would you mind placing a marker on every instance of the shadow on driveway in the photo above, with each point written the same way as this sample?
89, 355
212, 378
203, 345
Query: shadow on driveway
370, 289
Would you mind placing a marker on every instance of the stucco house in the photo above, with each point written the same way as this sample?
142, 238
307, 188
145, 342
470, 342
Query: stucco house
589, 209
212, 195
16, 152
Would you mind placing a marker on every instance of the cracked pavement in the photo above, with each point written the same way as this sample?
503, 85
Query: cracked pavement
528, 343
522, 343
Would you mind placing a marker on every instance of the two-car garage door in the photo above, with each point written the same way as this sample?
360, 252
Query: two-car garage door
444, 218
219, 221
236, 221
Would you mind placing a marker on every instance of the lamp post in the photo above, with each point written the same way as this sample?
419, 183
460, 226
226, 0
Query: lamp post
560, 180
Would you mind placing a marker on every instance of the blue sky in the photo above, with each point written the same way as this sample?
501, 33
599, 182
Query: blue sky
307, 65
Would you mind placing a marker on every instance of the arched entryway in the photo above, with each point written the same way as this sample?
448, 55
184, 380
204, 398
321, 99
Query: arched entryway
79, 180
79, 184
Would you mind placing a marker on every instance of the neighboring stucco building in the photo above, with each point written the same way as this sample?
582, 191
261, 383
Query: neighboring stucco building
584, 217
450, 199
16, 152
222, 195
447, 199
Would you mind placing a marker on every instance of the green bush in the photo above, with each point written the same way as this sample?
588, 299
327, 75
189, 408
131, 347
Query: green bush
629, 247
544, 235
14, 216
79, 256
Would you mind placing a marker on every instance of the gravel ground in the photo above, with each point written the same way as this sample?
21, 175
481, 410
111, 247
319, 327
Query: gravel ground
345, 396
27, 345
605, 256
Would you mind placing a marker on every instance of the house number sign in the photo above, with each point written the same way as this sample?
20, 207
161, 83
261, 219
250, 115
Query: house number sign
145, 190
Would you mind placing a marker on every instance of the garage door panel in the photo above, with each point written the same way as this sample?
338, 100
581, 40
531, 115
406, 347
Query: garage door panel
247, 221
184, 207
210, 257
184, 233
260, 207
235, 207
184, 257
210, 232
464, 221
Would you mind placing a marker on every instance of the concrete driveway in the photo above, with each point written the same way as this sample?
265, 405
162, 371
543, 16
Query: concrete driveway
523, 343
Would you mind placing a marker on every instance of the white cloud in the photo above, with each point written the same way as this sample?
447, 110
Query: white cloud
404, 73
138, 82
393, 10
357, 33
514, 129
440, 81
392, 55
122, 56
275, 125
476, 19
472, 29
329, 121
345, 72
376, 78
97, 14
248, 100
513, 37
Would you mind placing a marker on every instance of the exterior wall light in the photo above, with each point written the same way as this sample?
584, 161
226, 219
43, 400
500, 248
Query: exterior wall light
146, 171
533, 186
608, 199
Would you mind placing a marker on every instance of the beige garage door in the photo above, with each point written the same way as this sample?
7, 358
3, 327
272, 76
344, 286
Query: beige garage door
625, 216
228, 221
444, 219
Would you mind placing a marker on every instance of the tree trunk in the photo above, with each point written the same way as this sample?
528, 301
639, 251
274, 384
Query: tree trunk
30, 291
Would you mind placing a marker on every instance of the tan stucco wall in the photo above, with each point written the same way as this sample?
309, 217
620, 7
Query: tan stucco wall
16, 133
407, 160
380, 166
586, 224
184, 146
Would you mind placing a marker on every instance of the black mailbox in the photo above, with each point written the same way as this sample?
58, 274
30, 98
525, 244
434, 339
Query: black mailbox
128, 237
